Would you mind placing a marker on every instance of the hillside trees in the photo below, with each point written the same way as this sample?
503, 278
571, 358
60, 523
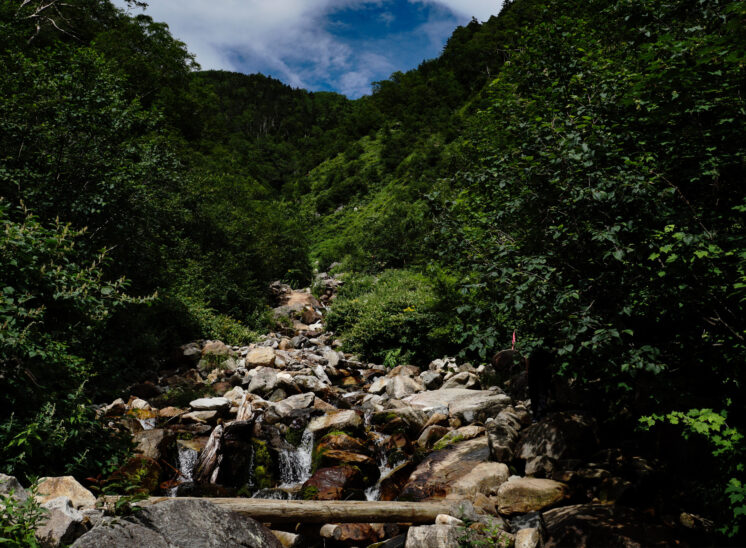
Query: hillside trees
606, 220
92, 158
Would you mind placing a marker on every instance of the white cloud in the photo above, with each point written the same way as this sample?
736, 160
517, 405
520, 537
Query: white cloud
481, 9
288, 38
219, 32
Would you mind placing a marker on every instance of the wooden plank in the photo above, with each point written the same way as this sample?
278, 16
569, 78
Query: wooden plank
324, 512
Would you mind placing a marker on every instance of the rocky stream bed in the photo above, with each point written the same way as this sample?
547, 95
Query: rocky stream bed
294, 418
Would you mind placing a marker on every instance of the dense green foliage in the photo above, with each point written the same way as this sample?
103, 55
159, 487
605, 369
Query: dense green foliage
398, 316
570, 170
19, 519
96, 158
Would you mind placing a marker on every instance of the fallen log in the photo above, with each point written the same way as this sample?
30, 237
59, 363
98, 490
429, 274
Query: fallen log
324, 512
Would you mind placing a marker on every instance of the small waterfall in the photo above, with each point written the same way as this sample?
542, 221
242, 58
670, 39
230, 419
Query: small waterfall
295, 465
187, 462
374, 491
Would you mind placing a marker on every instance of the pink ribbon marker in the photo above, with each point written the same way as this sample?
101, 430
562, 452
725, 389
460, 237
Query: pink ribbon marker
513, 346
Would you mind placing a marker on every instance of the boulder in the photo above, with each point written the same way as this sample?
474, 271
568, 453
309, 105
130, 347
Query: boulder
485, 478
198, 416
154, 443
263, 380
331, 356
379, 385
10, 483
605, 525
191, 353
210, 404
235, 395
138, 404
449, 469
431, 434
262, 356
532, 520
391, 486
333, 483
65, 486
431, 379
285, 407
462, 380
346, 420
117, 408
63, 524
121, 534
434, 536
527, 538
197, 522
503, 434
406, 370
334, 457
321, 374
460, 434
170, 412
405, 418
341, 442
467, 405
521, 495
401, 386
309, 383
355, 534
215, 348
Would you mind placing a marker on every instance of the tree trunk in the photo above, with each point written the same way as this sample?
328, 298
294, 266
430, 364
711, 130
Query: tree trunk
325, 512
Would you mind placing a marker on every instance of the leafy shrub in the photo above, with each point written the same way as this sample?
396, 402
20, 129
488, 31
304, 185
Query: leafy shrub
19, 520
396, 314
52, 308
728, 447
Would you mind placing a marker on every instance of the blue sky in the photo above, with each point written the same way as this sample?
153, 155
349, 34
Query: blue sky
337, 45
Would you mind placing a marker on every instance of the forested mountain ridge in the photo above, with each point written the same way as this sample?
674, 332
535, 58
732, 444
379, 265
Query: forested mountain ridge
568, 170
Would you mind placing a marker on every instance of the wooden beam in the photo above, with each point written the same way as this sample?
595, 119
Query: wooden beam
323, 512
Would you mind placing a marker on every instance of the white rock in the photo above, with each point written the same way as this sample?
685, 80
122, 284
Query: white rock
331, 357
378, 385
445, 519
65, 486
10, 483
401, 386
235, 395
137, 403
64, 523
433, 536
319, 372
336, 420
260, 356
210, 404
527, 538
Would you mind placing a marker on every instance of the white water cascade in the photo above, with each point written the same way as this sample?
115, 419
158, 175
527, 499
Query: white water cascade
374, 491
295, 465
187, 462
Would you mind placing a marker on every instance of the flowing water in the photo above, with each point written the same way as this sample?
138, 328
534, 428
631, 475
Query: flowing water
295, 465
187, 462
374, 491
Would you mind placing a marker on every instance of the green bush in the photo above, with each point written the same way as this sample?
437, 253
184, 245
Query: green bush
398, 313
19, 520
54, 304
